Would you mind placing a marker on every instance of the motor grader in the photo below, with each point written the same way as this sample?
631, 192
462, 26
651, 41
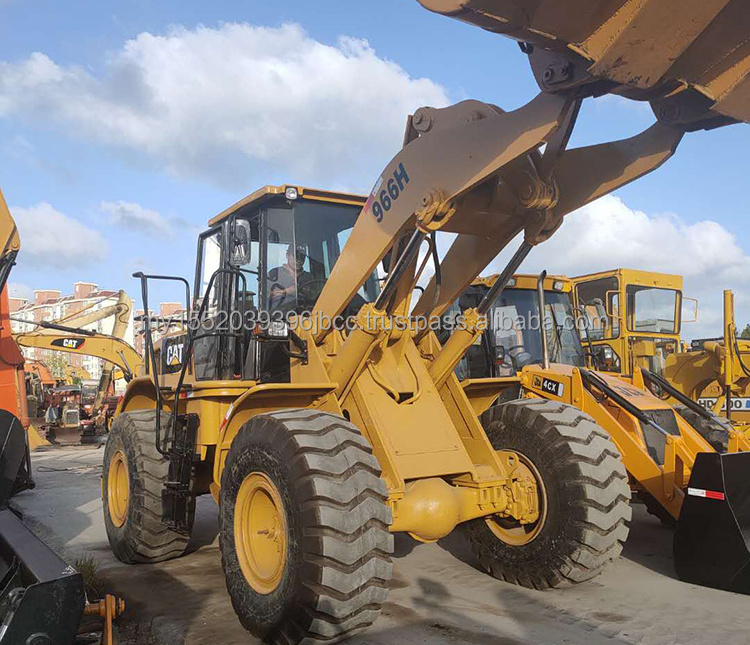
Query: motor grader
533, 342
322, 416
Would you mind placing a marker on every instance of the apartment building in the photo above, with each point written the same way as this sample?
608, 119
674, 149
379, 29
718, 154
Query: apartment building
50, 305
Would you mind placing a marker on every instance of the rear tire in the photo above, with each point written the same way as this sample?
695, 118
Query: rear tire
586, 496
712, 431
143, 537
333, 577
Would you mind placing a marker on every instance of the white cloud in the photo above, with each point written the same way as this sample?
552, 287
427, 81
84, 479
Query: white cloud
220, 102
134, 217
608, 234
53, 240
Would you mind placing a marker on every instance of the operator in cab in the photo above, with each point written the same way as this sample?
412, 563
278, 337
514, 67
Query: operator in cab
285, 281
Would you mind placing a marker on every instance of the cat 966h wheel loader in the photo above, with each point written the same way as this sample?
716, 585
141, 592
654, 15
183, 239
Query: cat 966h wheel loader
319, 439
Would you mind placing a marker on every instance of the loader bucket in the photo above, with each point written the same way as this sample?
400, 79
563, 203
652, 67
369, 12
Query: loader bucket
712, 537
690, 58
12, 454
41, 597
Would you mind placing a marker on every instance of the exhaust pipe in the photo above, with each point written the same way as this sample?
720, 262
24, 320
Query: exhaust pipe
542, 313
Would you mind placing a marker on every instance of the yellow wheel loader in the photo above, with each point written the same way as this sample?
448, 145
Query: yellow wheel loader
320, 411
669, 451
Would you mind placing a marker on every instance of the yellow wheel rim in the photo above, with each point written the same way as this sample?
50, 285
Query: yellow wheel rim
260, 533
118, 489
510, 530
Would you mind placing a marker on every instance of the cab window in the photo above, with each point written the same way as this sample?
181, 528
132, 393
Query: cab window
652, 309
600, 303
210, 262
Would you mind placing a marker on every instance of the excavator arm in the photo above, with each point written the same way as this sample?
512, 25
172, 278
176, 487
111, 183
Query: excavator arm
109, 348
10, 242
48, 337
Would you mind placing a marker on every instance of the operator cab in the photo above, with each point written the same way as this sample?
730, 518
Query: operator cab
513, 338
634, 318
262, 262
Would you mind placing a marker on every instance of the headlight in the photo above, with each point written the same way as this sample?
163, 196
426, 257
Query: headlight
291, 193
558, 285
278, 329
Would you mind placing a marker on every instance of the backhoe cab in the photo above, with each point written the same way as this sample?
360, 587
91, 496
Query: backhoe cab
320, 435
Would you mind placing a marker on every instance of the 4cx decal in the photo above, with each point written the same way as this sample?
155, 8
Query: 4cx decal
552, 387
382, 198
68, 343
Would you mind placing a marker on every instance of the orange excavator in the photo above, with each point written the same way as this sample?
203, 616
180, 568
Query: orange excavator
42, 598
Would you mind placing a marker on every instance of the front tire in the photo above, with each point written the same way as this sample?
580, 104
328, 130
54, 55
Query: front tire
133, 478
584, 489
304, 528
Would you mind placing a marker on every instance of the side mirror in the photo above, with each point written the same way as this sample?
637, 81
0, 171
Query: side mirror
241, 252
694, 317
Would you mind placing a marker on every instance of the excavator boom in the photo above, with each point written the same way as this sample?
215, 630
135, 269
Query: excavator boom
111, 349
10, 242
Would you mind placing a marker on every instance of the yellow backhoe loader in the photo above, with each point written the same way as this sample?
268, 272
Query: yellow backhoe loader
638, 315
716, 372
322, 416
533, 340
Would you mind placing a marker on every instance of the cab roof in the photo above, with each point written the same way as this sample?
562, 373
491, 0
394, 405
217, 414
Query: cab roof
528, 281
636, 277
268, 192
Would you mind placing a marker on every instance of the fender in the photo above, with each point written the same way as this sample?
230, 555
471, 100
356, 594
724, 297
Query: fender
483, 392
266, 398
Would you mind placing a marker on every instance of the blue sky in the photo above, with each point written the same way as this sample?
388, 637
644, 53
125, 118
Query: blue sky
137, 121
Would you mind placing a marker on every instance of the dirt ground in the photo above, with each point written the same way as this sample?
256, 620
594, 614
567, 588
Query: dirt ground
437, 594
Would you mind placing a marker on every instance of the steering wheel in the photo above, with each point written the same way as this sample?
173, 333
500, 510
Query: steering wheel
281, 294
304, 290
301, 290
